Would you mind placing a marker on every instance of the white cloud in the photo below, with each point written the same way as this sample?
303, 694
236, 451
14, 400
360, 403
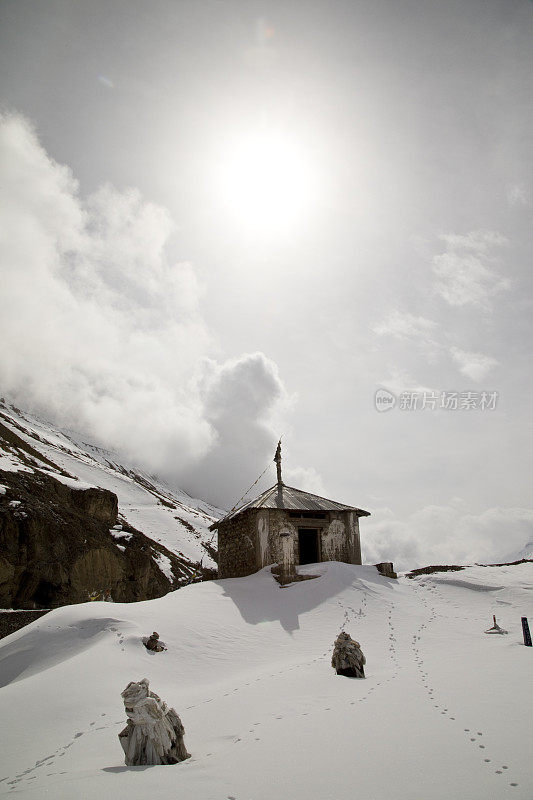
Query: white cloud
473, 365
480, 241
517, 195
101, 331
242, 403
446, 535
306, 478
466, 272
398, 381
404, 325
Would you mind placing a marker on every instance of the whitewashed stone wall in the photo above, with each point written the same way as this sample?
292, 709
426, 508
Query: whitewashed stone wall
333, 540
264, 557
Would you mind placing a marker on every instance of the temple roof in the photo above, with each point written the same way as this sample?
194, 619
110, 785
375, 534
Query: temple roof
290, 499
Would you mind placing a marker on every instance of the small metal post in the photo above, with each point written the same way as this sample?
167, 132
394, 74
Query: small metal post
526, 632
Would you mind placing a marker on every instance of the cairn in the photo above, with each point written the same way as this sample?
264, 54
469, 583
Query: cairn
154, 732
153, 643
348, 658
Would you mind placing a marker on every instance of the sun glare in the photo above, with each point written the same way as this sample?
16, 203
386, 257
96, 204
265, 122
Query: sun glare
266, 183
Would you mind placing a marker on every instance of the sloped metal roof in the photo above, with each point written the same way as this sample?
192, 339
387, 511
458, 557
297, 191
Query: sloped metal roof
290, 499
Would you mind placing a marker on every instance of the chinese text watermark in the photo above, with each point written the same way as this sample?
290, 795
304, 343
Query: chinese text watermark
430, 400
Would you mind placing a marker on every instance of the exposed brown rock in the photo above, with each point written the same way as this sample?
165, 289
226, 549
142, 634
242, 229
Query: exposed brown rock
11, 621
56, 547
386, 568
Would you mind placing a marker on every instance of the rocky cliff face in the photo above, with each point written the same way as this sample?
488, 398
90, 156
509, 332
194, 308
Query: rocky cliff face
60, 544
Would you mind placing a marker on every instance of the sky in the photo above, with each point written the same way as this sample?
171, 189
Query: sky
226, 222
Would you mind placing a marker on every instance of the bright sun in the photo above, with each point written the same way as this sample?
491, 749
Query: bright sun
265, 183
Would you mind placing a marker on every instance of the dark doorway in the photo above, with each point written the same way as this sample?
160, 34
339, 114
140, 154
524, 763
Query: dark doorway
308, 545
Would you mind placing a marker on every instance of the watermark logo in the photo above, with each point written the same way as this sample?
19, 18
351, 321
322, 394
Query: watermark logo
433, 401
384, 400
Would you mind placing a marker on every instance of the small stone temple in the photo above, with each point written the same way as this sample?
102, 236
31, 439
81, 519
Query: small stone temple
286, 526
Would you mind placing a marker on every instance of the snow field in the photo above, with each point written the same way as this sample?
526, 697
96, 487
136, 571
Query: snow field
443, 712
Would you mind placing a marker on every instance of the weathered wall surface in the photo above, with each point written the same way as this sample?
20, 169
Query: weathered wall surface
56, 546
334, 545
263, 546
353, 524
283, 539
258, 538
336, 537
238, 546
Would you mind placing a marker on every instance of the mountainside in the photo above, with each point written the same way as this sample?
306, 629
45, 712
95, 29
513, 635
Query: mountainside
526, 552
76, 523
443, 711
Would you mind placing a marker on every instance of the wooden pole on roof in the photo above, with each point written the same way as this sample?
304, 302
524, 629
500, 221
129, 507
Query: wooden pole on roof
277, 459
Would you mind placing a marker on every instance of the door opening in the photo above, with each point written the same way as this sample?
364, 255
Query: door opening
308, 545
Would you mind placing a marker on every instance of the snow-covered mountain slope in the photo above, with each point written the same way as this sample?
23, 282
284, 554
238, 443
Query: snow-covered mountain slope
164, 514
444, 711
525, 552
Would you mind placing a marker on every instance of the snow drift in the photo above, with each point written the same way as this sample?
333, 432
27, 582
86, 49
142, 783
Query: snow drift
443, 711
